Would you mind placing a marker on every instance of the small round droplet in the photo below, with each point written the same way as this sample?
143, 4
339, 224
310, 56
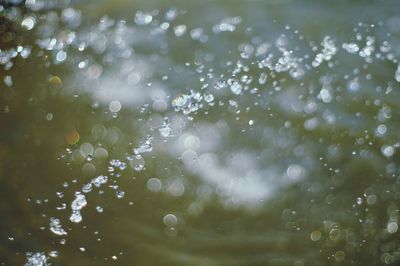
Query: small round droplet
136, 162
392, 227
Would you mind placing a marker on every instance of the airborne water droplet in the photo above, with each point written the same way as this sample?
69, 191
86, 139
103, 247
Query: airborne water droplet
136, 162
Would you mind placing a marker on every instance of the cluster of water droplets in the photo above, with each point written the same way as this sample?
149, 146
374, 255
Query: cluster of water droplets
270, 60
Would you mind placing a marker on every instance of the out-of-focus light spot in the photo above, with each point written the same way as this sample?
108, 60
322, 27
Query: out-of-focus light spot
315, 235
115, 106
170, 220
28, 23
392, 227
72, 137
61, 56
154, 184
55, 81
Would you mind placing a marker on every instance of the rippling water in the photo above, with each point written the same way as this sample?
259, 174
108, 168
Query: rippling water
199, 133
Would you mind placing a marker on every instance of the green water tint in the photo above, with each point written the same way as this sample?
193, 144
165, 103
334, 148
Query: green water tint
188, 134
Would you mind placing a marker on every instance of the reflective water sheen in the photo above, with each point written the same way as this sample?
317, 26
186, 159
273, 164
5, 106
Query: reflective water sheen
199, 133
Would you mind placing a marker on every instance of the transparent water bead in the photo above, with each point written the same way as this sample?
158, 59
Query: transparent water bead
144, 147
120, 194
188, 103
79, 201
28, 23
227, 24
236, 88
180, 30
392, 227
53, 254
100, 180
397, 74
209, 98
351, 48
76, 217
77, 204
8, 81
56, 228
118, 164
136, 162
86, 188
328, 51
387, 150
165, 129
180, 101
36, 259
143, 18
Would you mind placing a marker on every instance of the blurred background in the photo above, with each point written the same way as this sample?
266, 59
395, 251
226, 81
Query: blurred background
199, 132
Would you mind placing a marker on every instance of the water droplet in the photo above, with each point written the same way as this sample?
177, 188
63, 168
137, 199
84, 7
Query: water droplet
144, 147
61, 56
115, 106
179, 30
36, 259
28, 23
392, 227
53, 254
100, 180
136, 162
120, 194
236, 88
56, 228
387, 150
